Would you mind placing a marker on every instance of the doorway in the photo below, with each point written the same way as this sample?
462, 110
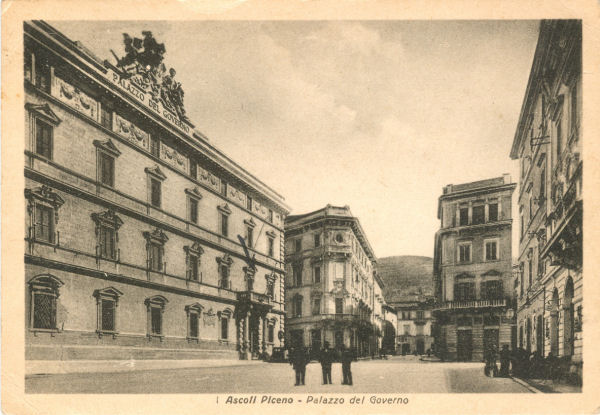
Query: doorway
420, 347
464, 346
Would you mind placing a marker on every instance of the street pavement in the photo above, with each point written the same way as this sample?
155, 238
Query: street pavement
395, 375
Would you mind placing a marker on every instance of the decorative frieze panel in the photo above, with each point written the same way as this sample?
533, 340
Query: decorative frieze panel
209, 318
129, 131
208, 179
75, 98
237, 195
173, 157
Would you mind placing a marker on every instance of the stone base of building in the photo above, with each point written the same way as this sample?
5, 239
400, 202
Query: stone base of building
467, 343
414, 345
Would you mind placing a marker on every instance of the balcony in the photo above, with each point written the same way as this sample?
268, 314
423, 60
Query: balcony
254, 298
472, 304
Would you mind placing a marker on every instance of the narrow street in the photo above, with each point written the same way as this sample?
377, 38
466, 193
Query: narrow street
395, 375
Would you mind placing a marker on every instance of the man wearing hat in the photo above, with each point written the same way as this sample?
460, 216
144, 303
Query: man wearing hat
326, 358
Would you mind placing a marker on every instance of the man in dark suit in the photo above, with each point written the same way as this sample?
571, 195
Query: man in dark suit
299, 360
347, 358
326, 358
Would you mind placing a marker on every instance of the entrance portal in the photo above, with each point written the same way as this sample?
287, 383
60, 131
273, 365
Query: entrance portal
464, 345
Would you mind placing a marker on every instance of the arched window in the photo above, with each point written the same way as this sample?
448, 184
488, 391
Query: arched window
155, 307
297, 306
44, 291
107, 300
193, 313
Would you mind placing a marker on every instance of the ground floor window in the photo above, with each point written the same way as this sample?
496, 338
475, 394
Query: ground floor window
44, 291
224, 328
271, 333
193, 313
155, 306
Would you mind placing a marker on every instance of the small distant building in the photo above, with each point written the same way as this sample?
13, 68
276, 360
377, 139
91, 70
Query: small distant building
472, 269
414, 316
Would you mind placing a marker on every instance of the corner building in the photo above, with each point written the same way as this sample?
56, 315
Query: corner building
133, 217
330, 280
547, 144
472, 269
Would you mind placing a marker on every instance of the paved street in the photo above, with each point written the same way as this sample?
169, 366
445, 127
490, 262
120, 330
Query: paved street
396, 375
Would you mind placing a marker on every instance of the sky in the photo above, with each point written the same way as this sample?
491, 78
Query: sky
376, 115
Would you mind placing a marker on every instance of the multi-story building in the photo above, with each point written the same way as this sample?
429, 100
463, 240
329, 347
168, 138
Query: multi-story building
472, 269
330, 281
548, 146
414, 324
133, 216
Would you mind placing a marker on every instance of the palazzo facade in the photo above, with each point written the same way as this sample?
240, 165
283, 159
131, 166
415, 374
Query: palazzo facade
331, 292
472, 268
547, 144
142, 239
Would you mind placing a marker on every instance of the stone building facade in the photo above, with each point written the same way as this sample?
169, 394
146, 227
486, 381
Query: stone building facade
414, 325
472, 269
330, 282
547, 144
133, 217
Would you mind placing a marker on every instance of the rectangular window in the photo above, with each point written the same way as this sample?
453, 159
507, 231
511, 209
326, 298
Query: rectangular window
42, 73
44, 311
106, 117
224, 328
193, 210
108, 315
107, 169
317, 274
43, 139
491, 251
407, 329
317, 240
530, 273
464, 216
224, 281
522, 225
155, 196
271, 290
194, 274
271, 334
298, 243
194, 325
156, 263
573, 106
249, 203
559, 138
542, 185
493, 212
156, 320
478, 214
297, 274
316, 306
107, 242
224, 188
464, 291
224, 224
464, 253
270, 215
419, 329
44, 224
522, 284
193, 169
271, 247
249, 236
339, 306
298, 307
154, 146
491, 290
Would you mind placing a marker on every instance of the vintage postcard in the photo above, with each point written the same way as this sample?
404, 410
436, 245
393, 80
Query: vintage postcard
234, 207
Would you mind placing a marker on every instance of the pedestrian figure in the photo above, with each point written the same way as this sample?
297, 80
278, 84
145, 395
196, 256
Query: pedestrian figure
347, 358
504, 361
490, 361
326, 358
299, 360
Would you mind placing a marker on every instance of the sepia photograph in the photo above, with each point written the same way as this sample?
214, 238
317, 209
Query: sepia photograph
303, 207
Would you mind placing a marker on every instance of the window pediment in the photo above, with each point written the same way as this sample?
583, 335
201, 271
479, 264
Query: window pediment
225, 260
224, 209
195, 248
464, 275
44, 112
194, 192
270, 234
271, 277
45, 282
108, 218
250, 222
227, 313
197, 307
491, 273
107, 146
156, 236
44, 194
110, 292
155, 172
157, 300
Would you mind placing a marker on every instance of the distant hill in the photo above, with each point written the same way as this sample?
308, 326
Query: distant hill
406, 277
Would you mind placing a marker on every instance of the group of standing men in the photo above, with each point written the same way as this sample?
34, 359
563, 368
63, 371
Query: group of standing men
299, 358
